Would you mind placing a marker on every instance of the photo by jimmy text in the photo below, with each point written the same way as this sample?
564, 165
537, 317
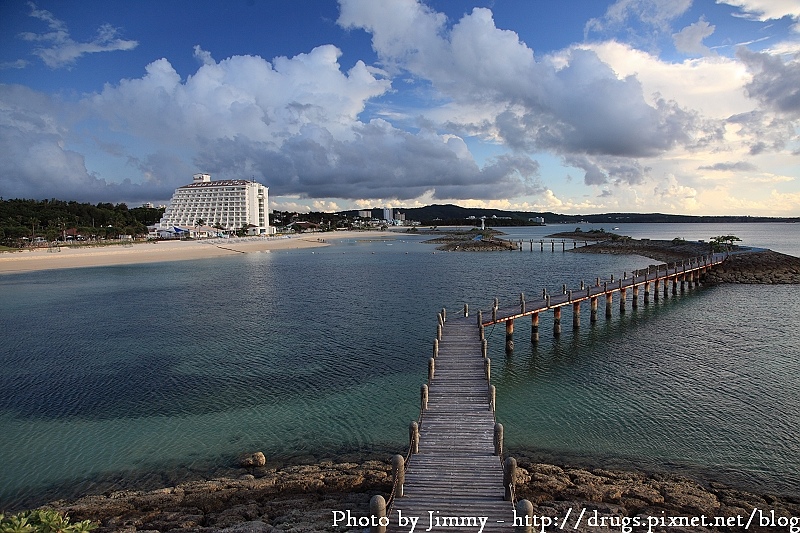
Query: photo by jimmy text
431, 521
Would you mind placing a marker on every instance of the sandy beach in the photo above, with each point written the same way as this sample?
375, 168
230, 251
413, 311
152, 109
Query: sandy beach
154, 252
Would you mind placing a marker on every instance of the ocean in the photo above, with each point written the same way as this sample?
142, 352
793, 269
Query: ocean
147, 375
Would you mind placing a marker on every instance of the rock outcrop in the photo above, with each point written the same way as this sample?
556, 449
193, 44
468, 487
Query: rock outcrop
765, 267
303, 498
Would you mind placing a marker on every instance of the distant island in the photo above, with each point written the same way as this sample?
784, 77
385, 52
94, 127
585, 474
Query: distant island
453, 215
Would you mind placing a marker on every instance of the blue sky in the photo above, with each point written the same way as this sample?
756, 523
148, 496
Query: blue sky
577, 106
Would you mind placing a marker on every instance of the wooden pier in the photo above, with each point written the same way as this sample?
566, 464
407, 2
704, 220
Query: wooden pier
457, 470
673, 277
454, 477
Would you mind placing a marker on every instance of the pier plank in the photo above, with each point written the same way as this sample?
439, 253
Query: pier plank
456, 472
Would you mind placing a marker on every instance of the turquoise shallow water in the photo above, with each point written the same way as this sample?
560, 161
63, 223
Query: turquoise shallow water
167, 371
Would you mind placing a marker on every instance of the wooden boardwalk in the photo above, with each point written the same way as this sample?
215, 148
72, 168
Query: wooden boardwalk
455, 482
455, 473
678, 274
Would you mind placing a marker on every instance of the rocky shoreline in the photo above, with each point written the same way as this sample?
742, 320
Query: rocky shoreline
303, 498
743, 265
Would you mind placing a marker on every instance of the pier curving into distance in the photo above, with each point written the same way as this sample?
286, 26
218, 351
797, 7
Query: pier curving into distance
454, 475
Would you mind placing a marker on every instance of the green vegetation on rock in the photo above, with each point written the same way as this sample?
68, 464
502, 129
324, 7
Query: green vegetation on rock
43, 521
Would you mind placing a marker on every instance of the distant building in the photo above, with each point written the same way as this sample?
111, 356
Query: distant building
387, 214
365, 214
229, 204
537, 220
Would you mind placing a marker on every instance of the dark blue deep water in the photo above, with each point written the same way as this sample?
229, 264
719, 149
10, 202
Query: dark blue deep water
155, 373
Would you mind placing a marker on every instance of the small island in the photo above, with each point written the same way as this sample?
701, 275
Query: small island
474, 240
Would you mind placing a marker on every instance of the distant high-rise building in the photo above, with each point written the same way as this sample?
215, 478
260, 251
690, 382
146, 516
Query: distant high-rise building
365, 214
387, 213
230, 204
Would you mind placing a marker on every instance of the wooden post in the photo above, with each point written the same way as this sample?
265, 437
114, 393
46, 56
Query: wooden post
498, 439
484, 347
481, 332
557, 321
656, 287
522, 302
487, 369
439, 331
466, 310
552, 246
435, 348
480, 317
576, 315
444, 314
593, 308
377, 508
622, 299
431, 368
399, 471
423, 397
535, 327
675, 285
646, 292
609, 303
439, 318
492, 397
509, 471
413, 436
666, 287
509, 335
523, 522
542, 246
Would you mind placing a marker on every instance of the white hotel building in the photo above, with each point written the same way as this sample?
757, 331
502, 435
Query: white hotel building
232, 204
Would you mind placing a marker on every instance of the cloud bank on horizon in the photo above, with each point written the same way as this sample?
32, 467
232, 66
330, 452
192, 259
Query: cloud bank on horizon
646, 105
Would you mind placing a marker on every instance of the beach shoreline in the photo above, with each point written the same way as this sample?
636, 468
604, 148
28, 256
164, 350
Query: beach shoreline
31, 260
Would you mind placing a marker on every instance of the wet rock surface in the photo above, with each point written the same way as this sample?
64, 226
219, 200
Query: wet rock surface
765, 267
303, 498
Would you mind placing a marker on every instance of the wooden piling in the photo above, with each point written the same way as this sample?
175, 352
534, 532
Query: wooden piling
622, 294
535, 327
435, 348
576, 315
487, 369
377, 508
492, 397
609, 303
593, 309
423, 397
413, 436
431, 368
509, 335
635, 297
399, 471
524, 516
557, 321
509, 471
498, 439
